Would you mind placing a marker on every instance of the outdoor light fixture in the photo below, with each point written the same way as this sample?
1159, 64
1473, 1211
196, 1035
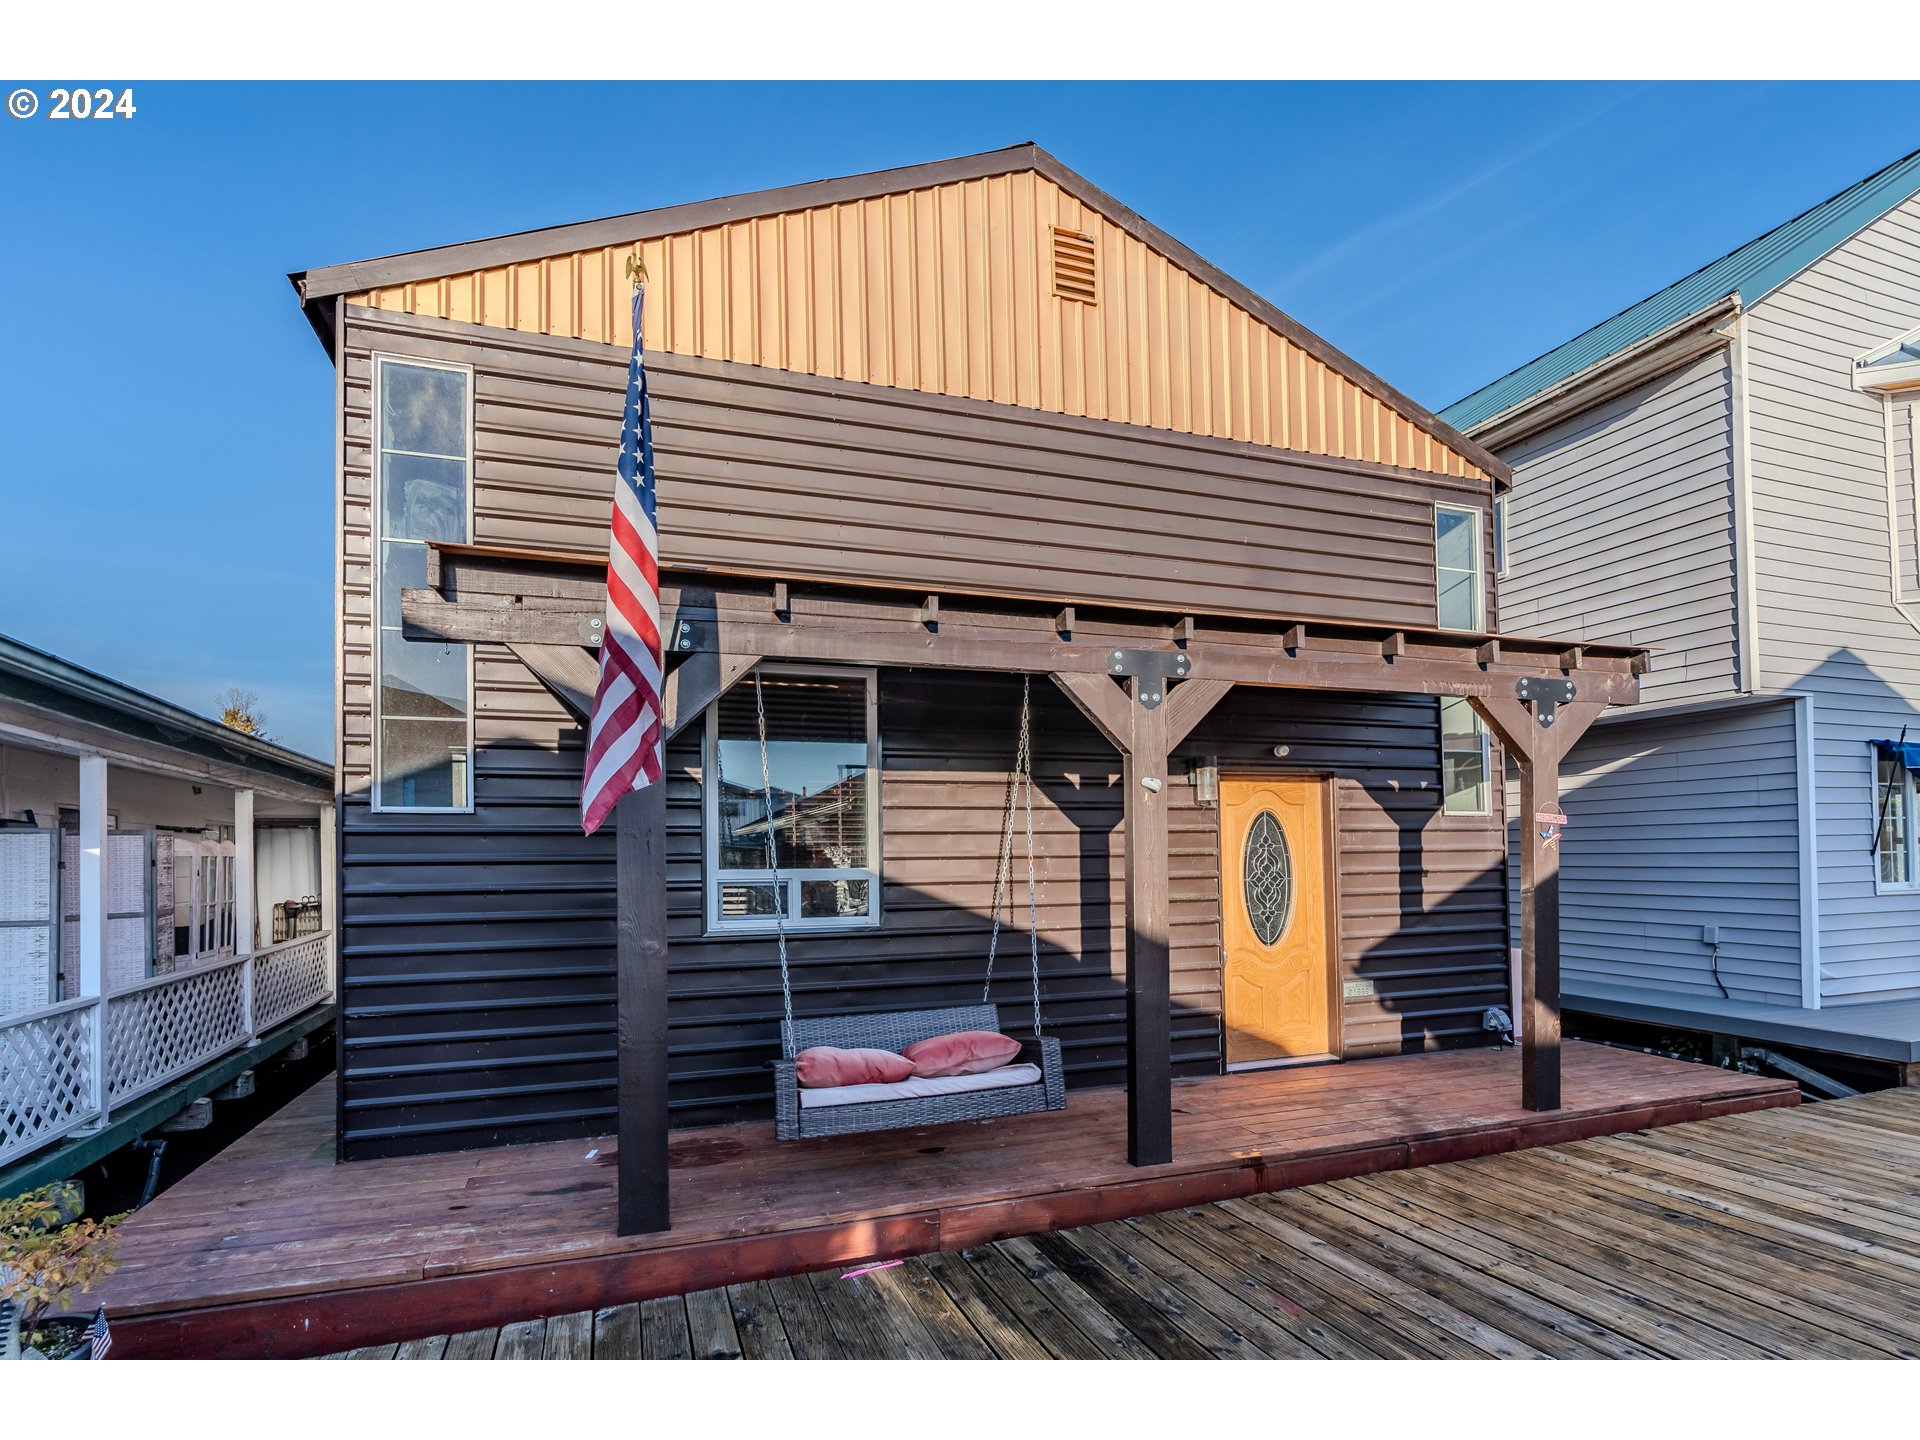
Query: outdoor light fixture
1280, 752
1206, 780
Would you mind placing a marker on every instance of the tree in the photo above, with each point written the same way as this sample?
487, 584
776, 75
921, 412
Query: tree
240, 710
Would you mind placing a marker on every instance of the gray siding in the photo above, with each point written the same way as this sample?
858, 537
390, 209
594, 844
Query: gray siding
1675, 824
1824, 563
1621, 528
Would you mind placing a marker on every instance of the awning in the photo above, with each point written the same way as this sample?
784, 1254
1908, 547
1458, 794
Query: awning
1907, 752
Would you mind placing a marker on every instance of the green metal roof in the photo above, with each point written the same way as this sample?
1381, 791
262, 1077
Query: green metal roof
38, 678
1753, 270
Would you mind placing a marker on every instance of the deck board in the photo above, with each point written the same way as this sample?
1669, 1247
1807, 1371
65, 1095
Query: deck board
1575, 1251
278, 1247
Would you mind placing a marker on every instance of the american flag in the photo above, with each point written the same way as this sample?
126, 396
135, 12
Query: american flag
99, 1337
624, 741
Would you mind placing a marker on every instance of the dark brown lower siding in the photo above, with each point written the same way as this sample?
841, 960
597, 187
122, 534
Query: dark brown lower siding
478, 950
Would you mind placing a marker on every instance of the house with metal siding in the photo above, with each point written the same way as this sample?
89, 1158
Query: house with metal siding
929, 441
1724, 473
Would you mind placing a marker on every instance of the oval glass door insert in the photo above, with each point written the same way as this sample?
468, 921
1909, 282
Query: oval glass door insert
1267, 878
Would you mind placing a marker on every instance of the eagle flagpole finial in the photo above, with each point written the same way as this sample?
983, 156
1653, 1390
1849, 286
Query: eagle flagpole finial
637, 270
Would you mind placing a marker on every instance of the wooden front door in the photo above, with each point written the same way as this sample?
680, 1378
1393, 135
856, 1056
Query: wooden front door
1273, 924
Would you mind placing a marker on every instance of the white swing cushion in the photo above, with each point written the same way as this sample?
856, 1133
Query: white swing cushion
919, 1088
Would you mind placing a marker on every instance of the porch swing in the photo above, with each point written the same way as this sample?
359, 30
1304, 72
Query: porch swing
795, 1118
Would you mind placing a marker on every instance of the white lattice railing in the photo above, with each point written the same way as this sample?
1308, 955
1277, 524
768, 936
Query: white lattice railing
289, 977
46, 1076
172, 1025
155, 1032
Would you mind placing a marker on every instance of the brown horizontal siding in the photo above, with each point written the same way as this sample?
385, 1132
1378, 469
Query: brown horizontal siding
478, 952
766, 471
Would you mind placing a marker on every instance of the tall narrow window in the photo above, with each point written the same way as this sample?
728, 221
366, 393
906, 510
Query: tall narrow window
1893, 800
1500, 553
1464, 759
1459, 568
422, 482
821, 832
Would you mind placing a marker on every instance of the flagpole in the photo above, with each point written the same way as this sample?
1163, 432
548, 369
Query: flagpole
640, 960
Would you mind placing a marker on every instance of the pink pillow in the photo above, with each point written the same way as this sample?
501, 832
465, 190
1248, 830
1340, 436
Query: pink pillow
826, 1066
968, 1053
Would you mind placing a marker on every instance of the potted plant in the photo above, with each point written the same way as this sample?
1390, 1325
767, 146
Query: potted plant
47, 1256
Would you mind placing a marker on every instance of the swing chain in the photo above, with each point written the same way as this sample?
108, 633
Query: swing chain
1022, 777
773, 861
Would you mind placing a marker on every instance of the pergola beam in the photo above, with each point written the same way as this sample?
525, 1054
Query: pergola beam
1420, 666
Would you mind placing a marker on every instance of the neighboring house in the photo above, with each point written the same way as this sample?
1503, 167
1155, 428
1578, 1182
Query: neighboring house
919, 433
1725, 472
162, 925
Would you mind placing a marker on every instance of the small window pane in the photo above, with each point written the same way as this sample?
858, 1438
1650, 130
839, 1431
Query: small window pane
423, 410
402, 567
1453, 532
1463, 759
817, 761
1891, 792
423, 764
833, 899
742, 901
1457, 564
422, 679
423, 498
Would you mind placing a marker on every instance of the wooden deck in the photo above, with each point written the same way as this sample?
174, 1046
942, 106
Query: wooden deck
1790, 1234
273, 1249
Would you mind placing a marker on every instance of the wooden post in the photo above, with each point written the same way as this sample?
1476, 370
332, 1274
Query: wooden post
1149, 980
641, 1002
1538, 749
1539, 1018
1145, 737
93, 914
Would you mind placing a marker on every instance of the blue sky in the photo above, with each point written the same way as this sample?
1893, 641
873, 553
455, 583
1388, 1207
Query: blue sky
165, 476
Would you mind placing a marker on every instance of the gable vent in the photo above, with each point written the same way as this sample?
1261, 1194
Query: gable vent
1073, 277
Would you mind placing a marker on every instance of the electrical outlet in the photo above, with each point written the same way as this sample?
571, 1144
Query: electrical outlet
1709, 934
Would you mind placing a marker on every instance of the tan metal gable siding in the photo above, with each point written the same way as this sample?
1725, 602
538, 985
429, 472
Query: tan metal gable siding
949, 290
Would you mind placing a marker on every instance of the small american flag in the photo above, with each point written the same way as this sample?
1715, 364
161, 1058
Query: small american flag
99, 1337
624, 742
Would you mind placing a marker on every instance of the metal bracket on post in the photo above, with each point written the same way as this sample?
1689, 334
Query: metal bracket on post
592, 632
1545, 696
1154, 669
686, 636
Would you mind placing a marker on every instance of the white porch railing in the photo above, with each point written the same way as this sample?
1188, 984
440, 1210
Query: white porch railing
154, 1033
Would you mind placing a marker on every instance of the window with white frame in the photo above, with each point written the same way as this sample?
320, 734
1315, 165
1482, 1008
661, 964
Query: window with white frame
1893, 807
203, 895
1500, 535
1460, 569
423, 725
1465, 759
821, 826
